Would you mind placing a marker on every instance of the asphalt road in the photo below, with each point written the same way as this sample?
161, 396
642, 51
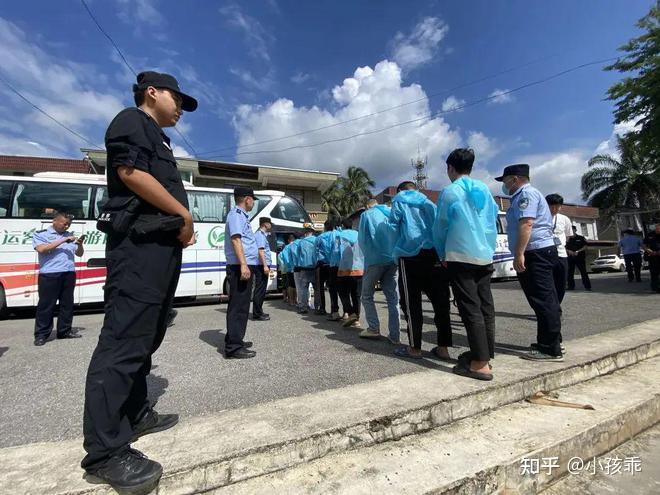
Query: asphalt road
41, 388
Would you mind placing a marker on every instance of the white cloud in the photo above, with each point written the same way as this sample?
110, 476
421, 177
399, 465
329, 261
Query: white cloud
421, 45
300, 77
75, 94
264, 84
484, 147
500, 96
134, 12
608, 147
558, 172
452, 104
256, 37
385, 155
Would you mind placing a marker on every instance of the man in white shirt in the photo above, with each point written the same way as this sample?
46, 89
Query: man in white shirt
562, 230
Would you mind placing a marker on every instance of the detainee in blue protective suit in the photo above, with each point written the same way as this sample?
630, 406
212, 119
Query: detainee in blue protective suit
412, 218
465, 235
349, 273
306, 259
377, 239
323, 250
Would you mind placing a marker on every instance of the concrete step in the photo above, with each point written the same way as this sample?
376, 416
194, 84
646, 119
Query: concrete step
483, 454
210, 452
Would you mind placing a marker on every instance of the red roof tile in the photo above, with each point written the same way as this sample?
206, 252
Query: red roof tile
34, 164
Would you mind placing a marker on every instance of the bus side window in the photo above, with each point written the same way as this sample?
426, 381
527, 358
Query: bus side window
5, 197
42, 199
100, 199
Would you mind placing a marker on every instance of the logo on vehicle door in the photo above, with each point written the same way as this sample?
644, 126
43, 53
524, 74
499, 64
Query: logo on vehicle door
217, 236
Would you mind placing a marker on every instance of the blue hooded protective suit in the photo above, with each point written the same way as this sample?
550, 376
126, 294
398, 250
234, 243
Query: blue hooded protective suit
465, 229
307, 257
376, 236
352, 259
412, 218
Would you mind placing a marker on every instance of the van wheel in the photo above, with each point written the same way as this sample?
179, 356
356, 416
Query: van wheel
4, 311
622, 268
225, 288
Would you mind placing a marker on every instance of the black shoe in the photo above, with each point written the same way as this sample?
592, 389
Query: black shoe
247, 344
153, 422
39, 341
69, 335
320, 312
129, 472
171, 316
241, 354
302, 311
263, 317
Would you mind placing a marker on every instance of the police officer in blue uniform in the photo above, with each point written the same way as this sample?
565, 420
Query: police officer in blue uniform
57, 248
262, 273
242, 255
143, 259
531, 240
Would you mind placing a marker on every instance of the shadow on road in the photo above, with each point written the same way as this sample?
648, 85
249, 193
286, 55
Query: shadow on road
215, 338
156, 386
3, 350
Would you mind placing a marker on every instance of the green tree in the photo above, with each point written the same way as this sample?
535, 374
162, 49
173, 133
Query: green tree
631, 181
348, 193
637, 97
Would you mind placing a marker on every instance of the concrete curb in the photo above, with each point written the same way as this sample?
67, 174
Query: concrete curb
292, 431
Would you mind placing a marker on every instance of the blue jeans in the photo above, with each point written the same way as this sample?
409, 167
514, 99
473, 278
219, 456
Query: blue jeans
305, 278
387, 276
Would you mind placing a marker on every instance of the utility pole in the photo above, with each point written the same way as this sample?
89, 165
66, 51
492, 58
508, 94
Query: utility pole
419, 166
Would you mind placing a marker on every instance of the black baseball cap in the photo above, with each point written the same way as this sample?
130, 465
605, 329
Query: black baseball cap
521, 169
242, 191
263, 220
404, 185
164, 81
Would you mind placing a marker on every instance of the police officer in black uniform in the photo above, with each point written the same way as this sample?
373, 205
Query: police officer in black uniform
262, 274
143, 271
652, 255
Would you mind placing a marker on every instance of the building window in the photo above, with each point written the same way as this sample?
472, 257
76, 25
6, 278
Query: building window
209, 206
584, 228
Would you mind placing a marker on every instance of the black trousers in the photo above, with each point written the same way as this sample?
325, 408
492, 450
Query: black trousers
323, 273
54, 287
424, 273
654, 269
350, 289
238, 307
333, 289
471, 288
260, 285
538, 283
560, 274
633, 266
139, 289
579, 262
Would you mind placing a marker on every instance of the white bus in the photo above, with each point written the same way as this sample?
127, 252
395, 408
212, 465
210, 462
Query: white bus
27, 204
502, 259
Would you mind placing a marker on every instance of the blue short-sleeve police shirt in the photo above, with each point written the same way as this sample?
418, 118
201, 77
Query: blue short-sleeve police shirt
238, 223
528, 202
60, 259
262, 243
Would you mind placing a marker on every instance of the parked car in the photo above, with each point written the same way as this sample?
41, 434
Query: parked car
609, 263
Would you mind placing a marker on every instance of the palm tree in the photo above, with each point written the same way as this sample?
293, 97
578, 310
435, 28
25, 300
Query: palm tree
631, 182
348, 193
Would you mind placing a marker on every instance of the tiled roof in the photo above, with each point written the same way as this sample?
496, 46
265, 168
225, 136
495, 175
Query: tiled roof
34, 164
570, 210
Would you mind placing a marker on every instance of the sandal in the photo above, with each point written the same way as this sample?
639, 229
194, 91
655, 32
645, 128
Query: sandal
447, 359
465, 359
467, 372
404, 352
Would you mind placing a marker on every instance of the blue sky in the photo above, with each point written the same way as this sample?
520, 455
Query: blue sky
272, 68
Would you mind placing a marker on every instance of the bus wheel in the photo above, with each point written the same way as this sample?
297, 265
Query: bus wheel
225, 288
3, 303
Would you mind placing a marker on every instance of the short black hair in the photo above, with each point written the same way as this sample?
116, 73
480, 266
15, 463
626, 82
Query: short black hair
139, 97
405, 184
329, 225
462, 160
554, 199
347, 223
62, 213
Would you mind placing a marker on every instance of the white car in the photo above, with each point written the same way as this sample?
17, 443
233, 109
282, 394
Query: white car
609, 263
